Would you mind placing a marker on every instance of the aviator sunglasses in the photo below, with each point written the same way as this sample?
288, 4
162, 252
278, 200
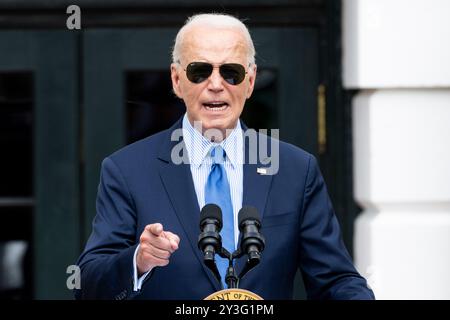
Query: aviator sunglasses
232, 73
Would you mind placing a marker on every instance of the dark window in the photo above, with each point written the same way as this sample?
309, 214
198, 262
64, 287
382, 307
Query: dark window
16, 125
261, 110
151, 106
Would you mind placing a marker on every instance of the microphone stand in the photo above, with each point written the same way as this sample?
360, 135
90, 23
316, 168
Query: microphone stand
231, 277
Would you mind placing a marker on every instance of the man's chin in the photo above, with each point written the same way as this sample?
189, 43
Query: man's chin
217, 128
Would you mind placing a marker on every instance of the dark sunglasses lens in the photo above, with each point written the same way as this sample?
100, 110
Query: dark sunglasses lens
233, 73
198, 72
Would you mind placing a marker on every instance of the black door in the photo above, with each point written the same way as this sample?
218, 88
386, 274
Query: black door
39, 163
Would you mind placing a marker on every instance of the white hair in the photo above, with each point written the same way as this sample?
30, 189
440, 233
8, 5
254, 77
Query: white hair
216, 20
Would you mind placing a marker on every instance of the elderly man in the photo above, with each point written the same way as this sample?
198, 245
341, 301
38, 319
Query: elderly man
145, 233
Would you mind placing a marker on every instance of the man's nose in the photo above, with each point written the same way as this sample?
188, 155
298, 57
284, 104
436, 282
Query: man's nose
215, 81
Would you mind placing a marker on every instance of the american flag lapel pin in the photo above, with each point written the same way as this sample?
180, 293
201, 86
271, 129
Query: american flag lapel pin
261, 170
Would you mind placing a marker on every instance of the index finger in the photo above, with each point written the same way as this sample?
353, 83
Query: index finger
155, 228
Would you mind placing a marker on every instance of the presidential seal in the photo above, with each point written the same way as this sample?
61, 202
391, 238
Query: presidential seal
233, 294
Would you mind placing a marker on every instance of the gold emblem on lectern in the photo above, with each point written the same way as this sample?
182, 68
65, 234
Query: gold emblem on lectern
233, 294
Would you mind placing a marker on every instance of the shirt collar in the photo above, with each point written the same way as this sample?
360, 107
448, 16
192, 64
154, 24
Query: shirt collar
198, 146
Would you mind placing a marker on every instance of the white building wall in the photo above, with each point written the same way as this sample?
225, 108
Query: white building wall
397, 52
396, 43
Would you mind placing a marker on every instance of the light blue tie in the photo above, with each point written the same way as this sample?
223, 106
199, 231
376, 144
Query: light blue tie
217, 191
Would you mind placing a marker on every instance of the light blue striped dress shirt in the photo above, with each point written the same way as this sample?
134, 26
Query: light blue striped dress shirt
198, 148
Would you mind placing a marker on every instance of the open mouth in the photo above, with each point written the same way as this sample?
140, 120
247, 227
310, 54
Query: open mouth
215, 105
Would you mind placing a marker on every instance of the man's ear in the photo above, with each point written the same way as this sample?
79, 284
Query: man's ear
174, 75
251, 80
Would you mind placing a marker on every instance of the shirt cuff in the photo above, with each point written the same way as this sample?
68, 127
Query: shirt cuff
137, 283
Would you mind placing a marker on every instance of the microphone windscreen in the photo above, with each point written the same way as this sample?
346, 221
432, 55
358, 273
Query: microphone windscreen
211, 211
248, 213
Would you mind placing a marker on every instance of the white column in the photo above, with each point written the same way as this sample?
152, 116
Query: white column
397, 52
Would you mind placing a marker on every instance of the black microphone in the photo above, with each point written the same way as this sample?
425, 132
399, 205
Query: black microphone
252, 242
209, 240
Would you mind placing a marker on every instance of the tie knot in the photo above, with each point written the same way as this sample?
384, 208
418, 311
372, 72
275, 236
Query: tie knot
218, 154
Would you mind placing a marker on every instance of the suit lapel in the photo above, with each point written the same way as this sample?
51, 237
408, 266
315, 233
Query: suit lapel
177, 181
255, 189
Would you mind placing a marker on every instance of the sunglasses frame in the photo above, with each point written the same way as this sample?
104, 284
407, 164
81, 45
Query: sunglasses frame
216, 65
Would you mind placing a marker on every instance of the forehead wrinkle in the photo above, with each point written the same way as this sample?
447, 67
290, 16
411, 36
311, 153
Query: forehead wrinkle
222, 55
205, 49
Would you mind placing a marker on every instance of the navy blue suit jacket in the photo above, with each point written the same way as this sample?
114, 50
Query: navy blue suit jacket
140, 185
